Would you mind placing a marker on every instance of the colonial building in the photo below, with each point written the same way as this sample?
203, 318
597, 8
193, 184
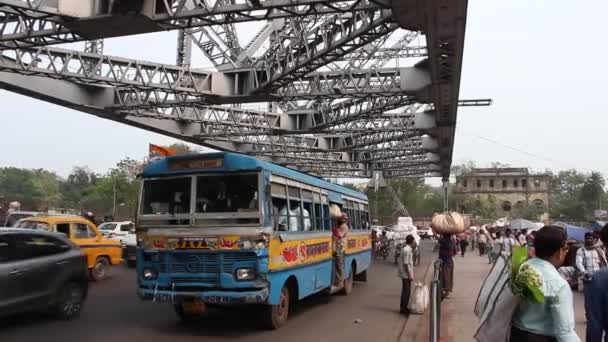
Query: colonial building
510, 187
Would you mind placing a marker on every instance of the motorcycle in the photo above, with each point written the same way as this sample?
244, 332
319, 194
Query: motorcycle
383, 250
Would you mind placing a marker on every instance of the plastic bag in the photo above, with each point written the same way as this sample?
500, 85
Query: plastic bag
448, 223
496, 304
419, 299
495, 324
490, 288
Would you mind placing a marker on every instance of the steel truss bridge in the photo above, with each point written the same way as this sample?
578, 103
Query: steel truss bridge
336, 100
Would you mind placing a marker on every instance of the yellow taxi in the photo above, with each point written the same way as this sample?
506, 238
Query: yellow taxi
101, 252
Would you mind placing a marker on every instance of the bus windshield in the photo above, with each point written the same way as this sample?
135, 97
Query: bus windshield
166, 196
227, 193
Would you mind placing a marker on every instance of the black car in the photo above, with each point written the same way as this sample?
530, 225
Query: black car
43, 271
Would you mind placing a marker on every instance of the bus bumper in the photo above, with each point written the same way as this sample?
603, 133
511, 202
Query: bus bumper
209, 297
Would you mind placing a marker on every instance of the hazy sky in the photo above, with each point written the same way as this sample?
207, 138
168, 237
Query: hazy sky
541, 61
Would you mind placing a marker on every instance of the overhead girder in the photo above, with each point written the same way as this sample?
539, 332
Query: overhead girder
397, 120
82, 22
334, 84
391, 54
444, 26
98, 69
314, 46
218, 43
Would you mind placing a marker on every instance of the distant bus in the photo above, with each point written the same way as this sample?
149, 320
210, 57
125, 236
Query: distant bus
228, 229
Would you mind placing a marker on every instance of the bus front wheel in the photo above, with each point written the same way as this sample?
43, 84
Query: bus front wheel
275, 316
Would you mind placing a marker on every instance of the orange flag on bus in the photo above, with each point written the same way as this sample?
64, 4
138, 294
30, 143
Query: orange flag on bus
156, 151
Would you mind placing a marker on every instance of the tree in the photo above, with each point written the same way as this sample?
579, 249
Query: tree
47, 185
593, 190
462, 169
531, 212
480, 207
18, 185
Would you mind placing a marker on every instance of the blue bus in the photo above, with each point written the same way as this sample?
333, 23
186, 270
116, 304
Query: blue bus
229, 229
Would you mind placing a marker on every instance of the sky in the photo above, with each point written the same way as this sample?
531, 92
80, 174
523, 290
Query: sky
542, 63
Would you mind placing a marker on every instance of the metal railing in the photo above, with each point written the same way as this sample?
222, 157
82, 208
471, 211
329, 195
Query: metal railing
436, 296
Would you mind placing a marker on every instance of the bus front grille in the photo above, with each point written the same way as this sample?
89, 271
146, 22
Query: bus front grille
203, 267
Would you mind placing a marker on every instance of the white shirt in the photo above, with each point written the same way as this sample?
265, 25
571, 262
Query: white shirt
306, 216
406, 259
588, 260
508, 244
293, 220
522, 239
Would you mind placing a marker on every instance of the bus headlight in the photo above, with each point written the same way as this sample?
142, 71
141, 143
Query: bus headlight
149, 274
245, 274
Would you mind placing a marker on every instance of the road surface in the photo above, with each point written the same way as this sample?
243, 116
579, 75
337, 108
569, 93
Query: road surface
113, 313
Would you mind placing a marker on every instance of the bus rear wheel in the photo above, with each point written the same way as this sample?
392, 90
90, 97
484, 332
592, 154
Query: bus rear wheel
275, 316
348, 282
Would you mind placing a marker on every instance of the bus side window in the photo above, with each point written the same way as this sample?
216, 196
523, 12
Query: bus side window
366, 217
326, 218
295, 202
280, 214
307, 212
318, 218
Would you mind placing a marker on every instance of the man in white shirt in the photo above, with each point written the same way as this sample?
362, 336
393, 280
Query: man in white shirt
508, 242
589, 259
405, 265
522, 238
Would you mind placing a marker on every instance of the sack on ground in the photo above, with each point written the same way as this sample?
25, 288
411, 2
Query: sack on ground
448, 223
419, 299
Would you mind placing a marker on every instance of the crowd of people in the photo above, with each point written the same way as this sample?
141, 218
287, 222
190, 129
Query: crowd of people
562, 266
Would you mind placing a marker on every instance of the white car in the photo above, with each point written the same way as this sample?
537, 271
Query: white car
123, 232
116, 230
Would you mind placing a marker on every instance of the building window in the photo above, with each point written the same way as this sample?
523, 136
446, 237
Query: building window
464, 183
479, 183
537, 183
515, 183
524, 183
506, 206
504, 183
491, 183
538, 203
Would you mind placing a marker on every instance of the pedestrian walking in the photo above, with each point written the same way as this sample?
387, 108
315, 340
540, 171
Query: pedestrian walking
464, 243
553, 318
483, 242
508, 242
497, 245
589, 259
447, 250
405, 265
522, 238
597, 314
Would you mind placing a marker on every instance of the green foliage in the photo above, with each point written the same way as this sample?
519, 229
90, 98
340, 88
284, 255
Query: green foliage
420, 199
526, 281
81, 190
531, 212
574, 195
480, 207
